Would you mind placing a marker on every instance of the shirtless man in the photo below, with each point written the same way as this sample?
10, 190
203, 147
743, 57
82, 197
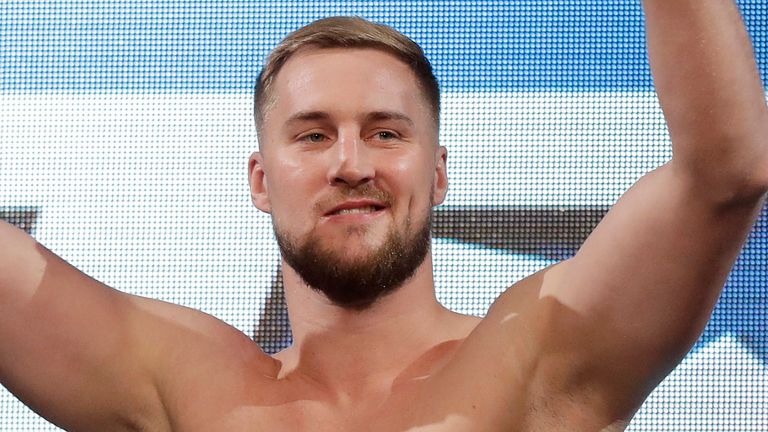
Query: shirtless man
349, 168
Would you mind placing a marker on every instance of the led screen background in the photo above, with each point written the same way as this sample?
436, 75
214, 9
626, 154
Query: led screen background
126, 128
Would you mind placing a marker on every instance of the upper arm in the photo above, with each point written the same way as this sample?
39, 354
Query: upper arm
69, 345
625, 310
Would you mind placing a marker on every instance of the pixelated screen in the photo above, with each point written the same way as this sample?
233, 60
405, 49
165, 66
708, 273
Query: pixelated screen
126, 129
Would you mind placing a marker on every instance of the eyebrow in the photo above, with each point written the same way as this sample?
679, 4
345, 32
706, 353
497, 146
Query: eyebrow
388, 115
305, 116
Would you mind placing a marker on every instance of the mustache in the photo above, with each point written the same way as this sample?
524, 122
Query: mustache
346, 193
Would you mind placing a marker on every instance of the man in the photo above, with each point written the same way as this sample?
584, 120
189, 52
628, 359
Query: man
349, 167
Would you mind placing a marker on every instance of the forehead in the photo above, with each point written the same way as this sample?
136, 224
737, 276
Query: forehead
344, 81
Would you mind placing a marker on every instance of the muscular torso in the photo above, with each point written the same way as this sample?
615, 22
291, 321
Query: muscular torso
449, 397
218, 379
449, 392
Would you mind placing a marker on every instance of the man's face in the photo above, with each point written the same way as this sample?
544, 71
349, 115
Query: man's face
349, 168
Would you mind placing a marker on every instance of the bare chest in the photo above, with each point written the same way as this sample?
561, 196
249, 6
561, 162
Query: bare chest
426, 406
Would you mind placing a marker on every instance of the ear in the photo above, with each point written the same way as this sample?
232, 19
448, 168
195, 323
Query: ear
441, 176
258, 182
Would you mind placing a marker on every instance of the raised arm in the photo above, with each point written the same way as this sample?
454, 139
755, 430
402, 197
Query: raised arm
622, 313
69, 345
713, 100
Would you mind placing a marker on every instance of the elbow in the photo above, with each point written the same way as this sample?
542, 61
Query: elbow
728, 184
729, 163
748, 186
761, 175
750, 194
755, 183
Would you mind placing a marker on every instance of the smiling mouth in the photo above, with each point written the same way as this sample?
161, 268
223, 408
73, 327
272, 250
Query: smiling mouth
357, 210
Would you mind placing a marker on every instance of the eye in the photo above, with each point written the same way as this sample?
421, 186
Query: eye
385, 135
314, 137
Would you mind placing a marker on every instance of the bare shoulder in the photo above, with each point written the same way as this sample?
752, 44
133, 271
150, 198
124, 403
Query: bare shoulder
177, 335
183, 350
522, 331
189, 352
183, 322
89, 357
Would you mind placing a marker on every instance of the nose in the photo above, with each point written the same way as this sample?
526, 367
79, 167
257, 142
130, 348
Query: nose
351, 162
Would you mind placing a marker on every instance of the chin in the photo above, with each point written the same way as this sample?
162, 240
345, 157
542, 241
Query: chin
355, 252
356, 269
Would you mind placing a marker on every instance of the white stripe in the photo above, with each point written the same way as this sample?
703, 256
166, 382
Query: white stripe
555, 148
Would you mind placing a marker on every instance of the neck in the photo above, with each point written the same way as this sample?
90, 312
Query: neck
349, 352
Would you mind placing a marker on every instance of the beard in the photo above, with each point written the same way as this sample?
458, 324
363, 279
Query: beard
357, 283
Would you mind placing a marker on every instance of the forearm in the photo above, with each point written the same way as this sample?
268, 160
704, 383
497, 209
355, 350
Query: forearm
710, 91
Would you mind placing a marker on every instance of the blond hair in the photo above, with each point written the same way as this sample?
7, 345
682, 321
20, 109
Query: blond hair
346, 32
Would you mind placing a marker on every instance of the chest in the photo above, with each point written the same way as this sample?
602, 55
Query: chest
444, 402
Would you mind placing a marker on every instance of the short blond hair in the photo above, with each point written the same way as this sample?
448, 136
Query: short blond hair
346, 32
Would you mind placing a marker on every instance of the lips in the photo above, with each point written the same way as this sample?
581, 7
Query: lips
356, 207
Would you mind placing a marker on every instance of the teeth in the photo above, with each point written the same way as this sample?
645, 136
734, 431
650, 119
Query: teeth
368, 209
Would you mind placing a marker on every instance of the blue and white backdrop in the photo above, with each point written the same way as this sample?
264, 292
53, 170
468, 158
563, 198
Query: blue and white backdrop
125, 129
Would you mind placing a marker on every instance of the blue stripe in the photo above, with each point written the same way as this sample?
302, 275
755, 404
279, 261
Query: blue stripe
183, 46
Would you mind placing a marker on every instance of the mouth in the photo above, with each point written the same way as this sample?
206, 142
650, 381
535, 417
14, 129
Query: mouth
356, 208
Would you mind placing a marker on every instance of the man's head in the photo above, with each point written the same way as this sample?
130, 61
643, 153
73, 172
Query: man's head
349, 164
345, 32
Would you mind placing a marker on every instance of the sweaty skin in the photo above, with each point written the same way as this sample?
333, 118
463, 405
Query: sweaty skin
575, 347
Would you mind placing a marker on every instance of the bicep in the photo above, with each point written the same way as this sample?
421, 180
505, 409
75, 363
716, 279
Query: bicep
67, 342
639, 292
